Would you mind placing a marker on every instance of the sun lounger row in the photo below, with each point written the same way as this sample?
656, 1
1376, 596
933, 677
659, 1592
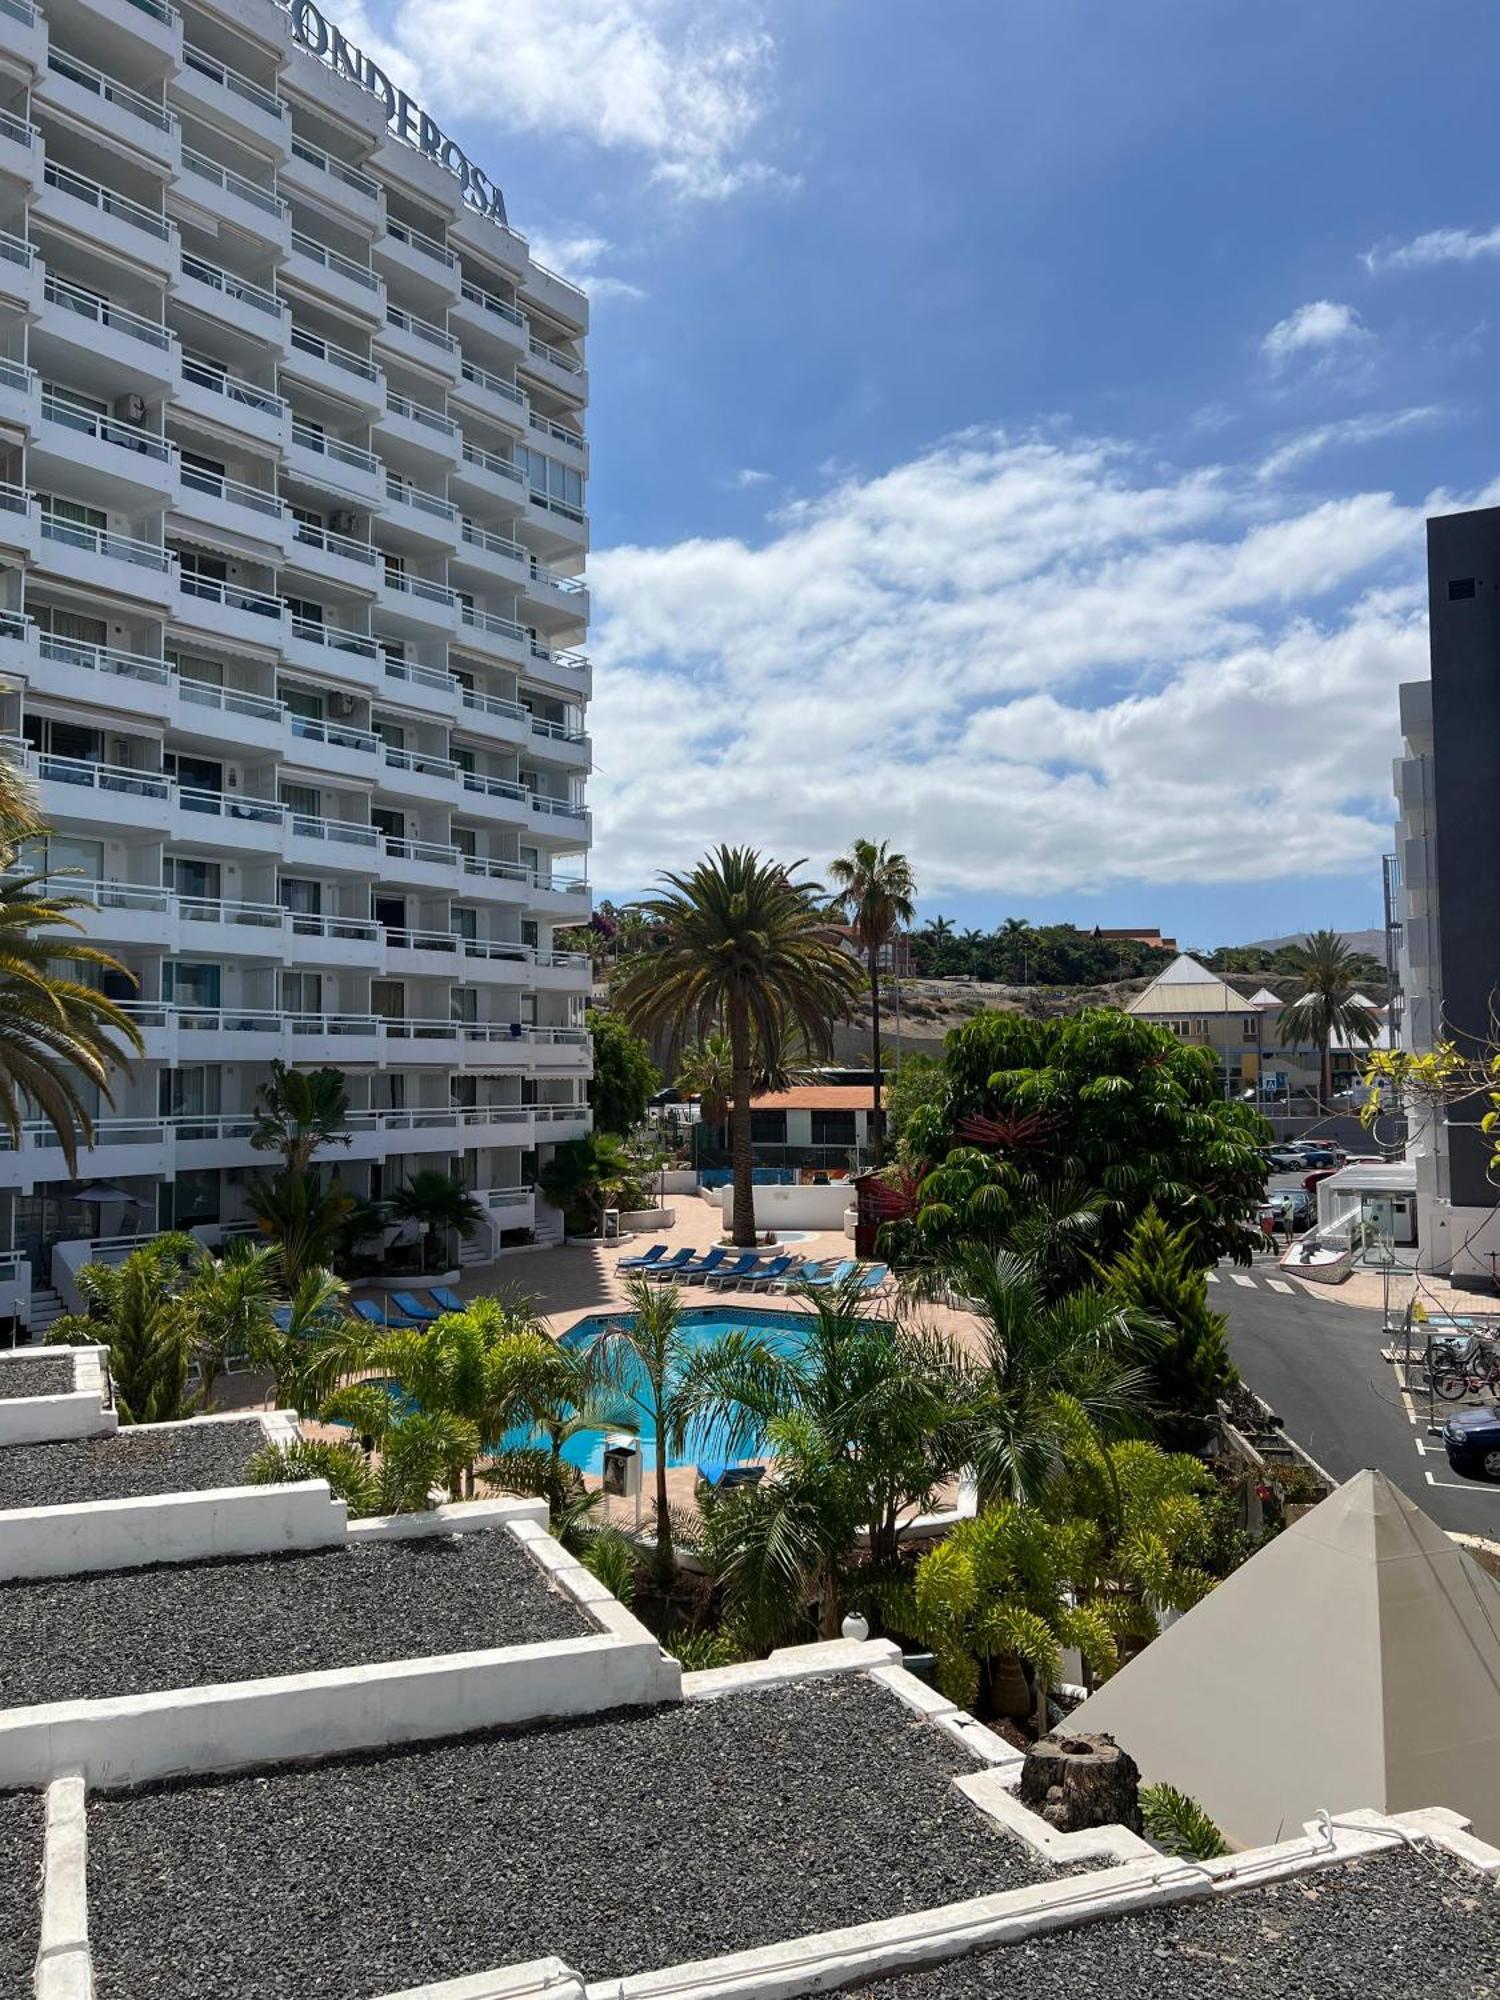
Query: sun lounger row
749, 1271
411, 1309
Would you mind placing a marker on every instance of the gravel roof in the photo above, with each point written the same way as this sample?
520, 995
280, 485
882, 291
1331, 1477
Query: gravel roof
622, 1843
21, 1820
36, 1375
1395, 1927
80, 1638
141, 1459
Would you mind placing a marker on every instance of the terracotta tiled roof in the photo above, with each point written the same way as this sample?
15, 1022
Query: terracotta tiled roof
816, 1097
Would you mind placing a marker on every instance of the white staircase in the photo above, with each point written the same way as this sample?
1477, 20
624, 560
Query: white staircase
46, 1307
476, 1249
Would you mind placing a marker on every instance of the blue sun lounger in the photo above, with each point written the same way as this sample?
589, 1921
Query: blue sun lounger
874, 1278
371, 1314
412, 1306
731, 1274
694, 1274
445, 1299
652, 1256
837, 1276
769, 1274
674, 1266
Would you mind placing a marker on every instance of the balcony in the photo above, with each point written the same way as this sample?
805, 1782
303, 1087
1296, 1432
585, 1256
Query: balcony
433, 690
20, 274
491, 395
213, 715
123, 116
557, 369
497, 638
505, 798
568, 673
108, 346
317, 841
105, 676
25, 33
416, 606
313, 172
120, 1147
557, 294
120, 23
233, 301
575, 450
557, 1122
228, 197
339, 559
492, 480
177, 1035
414, 954
333, 466
415, 774
105, 797
232, 100
20, 521
251, 617
113, 221
212, 497
338, 280
425, 263
94, 559
508, 1208
418, 428
208, 391
492, 715
560, 819
111, 465
418, 864
561, 742
19, 654
561, 1049
559, 896
565, 596
333, 747
414, 515
332, 649
495, 558
482, 313
337, 371
20, 397
423, 343
226, 823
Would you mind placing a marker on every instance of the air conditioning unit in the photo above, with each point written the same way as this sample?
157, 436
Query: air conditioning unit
342, 522
131, 408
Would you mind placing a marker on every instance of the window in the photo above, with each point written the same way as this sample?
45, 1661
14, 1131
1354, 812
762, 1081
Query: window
304, 800
83, 859
191, 983
72, 625
1460, 586
465, 840
833, 1128
465, 923
198, 463
391, 911
391, 824
305, 608
188, 1198
304, 702
767, 1128
463, 1092
301, 897
388, 999
302, 992
191, 1091
188, 877
463, 1004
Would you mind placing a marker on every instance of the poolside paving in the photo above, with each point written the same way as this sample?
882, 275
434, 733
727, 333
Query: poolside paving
21, 1825
624, 1842
130, 1463
1401, 1926
135, 1631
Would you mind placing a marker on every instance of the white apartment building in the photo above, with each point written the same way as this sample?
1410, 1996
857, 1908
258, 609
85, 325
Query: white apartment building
292, 533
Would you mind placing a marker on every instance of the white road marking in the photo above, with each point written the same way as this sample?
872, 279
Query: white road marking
1278, 1285
1465, 1486
1239, 1278
1213, 1277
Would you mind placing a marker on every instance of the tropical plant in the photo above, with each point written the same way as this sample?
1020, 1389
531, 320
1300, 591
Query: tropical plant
705, 1071
698, 1651
747, 950
1179, 1825
1100, 1101
440, 1205
228, 1303
1187, 1353
624, 1077
877, 893
137, 1310
585, 1176
1329, 1004
913, 1083
551, 1401
314, 1345
306, 1215
344, 1466
611, 1558
299, 1111
59, 1035
418, 1450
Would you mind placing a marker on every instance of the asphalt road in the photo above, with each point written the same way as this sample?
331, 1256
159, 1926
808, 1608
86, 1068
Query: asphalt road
1318, 1365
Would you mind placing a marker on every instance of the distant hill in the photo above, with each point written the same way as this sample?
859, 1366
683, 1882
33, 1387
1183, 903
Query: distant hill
1371, 942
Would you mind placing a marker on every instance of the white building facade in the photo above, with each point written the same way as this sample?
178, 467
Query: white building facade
292, 540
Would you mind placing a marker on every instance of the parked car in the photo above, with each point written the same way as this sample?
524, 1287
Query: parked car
1282, 1160
1471, 1439
1294, 1204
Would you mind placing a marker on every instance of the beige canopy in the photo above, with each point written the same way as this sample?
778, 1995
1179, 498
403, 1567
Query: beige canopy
1354, 1661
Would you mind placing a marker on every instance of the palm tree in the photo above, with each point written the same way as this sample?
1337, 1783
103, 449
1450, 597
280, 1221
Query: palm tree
439, 1204
706, 1071
316, 1346
137, 1310
746, 948
877, 891
57, 1032
228, 1300
299, 1111
584, 1176
307, 1217
1328, 1004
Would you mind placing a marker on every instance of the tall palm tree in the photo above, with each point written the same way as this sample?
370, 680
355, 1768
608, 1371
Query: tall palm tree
1328, 1004
298, 1111
316, 1346
57, 1031
229, 1301
307, 1217
877, 892
706, 1071
747, 949
439, 1204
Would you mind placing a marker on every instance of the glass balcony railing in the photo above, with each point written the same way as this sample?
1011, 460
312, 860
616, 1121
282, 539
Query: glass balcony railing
234, 81
88, 305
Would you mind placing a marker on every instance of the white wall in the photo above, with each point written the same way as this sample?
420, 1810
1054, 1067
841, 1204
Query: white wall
168, 1527
805, 1207
78, 1412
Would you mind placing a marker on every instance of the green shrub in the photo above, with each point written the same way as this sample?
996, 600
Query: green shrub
344, 1466
611, 1557
1179, 1824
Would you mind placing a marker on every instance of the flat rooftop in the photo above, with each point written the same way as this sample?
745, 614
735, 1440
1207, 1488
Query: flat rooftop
1393, 1927
178, 1625
36, 1375
128, 1464
21, 1825
622, 1843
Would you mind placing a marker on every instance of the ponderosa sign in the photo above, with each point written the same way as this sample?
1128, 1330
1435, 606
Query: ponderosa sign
407, 121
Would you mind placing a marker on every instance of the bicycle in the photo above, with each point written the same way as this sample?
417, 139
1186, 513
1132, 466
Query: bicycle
1457, 1366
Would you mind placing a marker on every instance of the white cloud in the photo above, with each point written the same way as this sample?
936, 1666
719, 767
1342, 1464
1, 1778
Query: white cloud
1437, 246
1313, 329
1034, 665
1367, 429
577, 258
681, 84
751, 475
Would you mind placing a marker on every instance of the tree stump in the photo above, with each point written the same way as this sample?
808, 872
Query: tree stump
1079, 1781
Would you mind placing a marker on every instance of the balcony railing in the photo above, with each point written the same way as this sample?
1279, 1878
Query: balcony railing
99, 542
493, 704
558, 432
206, 375
556, 732
562, 662
489, 461
333, 260
419, 587
231, 286
88, 306
419, 413
399, 848
81, 188
235, 491
487, 301
557, 808
419, 761
495, 384
229, 701
233, 81
18, 130
230, 595
419, 676
341, 832
103, 659
19, 10
494, 788
104, 430
334, 637
313, 729
87, 775
334, 448
491, 621
314, 156
336, 545
413, 496
337, 357
233, 183
558, 279
570, 586
16, 250
104, 87
415, 240
545, 351
495, 545
420, 329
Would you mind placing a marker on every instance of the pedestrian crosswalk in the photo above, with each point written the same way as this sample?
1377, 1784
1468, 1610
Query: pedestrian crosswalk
1259, 1281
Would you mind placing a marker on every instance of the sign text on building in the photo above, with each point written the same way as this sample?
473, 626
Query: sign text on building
407, 121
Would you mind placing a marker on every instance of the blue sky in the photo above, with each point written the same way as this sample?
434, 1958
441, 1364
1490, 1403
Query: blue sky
1012, 423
